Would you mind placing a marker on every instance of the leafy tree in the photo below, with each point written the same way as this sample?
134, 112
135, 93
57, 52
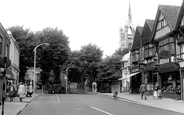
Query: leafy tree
91, 55
24, 38
54, 56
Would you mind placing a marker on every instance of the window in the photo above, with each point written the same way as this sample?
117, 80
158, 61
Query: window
182, 21
1, 45
149, 50
135, 56
7, 51
167, 44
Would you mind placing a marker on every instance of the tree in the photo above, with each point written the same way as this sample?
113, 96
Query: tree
54, 56
24, 38
91, 55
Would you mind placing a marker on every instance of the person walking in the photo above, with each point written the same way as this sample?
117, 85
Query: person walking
21, 91
143, 90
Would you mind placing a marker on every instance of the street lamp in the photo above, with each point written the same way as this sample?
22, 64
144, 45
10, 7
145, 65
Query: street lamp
67, 77
34, 84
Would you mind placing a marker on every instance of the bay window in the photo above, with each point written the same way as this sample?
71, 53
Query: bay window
149, 50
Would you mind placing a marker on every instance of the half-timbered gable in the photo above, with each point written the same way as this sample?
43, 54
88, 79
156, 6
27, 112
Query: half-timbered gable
135, 52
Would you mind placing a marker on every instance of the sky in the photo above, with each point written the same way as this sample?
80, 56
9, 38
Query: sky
83, 21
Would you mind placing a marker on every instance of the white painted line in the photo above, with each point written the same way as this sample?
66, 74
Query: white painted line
101, 111
58, 98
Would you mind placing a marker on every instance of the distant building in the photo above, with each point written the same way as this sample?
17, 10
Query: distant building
127, 35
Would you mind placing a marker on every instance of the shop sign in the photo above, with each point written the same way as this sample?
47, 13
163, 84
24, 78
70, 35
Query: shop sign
169, 67
164, 54
181, 64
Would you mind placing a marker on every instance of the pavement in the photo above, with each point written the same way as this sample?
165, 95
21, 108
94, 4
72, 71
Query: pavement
15, 107
164, 103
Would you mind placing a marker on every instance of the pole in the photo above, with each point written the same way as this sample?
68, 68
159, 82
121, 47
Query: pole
3, 90
34, 82
67, 79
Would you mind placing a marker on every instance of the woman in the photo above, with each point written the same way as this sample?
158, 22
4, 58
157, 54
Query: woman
21, 91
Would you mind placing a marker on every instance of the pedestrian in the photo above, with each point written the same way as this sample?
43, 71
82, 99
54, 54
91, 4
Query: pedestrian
21, 91
30, 90
115, 95
159, 93
178, 92
143, 90
11, 92
155, 94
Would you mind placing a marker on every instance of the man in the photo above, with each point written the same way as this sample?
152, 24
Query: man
143, 91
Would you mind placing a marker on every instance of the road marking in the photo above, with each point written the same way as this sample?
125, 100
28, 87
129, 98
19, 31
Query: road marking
101, 111
58, 98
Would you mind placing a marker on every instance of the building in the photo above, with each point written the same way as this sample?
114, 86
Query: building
149, 57
168, 77
127, 35
179, 32
125, 72
4, 57
14, 57
135, 70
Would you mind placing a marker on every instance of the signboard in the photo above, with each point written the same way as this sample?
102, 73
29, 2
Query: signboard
181, 64
164, 54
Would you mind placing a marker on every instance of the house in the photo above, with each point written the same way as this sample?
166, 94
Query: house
168, 77
135, 71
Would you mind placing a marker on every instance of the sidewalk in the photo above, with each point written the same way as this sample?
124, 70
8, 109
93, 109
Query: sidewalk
13, 108
165, 103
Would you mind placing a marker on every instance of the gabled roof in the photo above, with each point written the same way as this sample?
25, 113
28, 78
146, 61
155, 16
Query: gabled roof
147, 31
137, 38
170, 13
180, 15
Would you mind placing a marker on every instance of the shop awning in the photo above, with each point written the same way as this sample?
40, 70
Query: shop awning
124, 78
134, 74
9, 74
128, 76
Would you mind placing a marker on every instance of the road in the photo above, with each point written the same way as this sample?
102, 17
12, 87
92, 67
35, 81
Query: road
76, 104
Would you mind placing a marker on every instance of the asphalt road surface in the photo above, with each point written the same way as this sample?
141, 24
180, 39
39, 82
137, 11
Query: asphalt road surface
76, 104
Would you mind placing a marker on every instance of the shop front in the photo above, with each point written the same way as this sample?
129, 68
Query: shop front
151, 77
170, 83
135, 79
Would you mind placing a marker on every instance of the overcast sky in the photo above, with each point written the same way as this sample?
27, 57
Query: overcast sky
83, 21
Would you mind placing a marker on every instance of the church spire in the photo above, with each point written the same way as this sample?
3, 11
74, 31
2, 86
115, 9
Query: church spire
129, 13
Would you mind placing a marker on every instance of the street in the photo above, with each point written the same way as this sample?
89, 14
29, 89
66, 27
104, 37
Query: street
72, 104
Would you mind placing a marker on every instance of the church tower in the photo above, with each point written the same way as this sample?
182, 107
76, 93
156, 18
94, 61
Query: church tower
127, 34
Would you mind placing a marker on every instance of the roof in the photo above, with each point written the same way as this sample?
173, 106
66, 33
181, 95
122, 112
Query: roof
170, 13
137, 38
126, 57
147, 31
180, 16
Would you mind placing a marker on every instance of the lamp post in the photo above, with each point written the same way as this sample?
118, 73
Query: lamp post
67, 77
34, 77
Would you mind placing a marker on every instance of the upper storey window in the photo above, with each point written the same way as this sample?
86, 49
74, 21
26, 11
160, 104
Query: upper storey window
162, 27
149, 50
1, 45
182, 21
135, 56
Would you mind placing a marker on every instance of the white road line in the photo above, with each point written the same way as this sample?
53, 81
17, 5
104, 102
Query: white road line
58, 98
101, 111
